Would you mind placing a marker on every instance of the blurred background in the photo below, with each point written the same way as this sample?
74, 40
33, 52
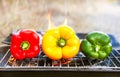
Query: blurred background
82, 15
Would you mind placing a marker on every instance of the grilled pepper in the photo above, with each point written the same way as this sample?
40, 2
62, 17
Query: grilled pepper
96, 45
25, 44
60, 42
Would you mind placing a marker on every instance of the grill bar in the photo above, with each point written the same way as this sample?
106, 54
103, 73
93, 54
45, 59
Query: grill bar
21, 63
117, 51
106, 63
4, 56
68, 65
90, 63
82, 61
112, 62
60, 64
8, 61
116, 57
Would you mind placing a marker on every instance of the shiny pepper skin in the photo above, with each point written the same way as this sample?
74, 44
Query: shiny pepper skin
25, 44
60, 42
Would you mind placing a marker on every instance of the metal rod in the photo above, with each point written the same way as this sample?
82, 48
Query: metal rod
38, 59
5, 55
68, 65
21, 64
7, 61
106, 63
98, 64
60, 63
90, 63
117, 51
75, 63
52, 63
115, 57
82, 61
112, 61
29, 63
45, 62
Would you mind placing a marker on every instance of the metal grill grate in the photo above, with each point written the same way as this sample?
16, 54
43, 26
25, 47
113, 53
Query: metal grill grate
78, 63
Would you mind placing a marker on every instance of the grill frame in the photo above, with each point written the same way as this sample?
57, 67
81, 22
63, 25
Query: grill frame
95, 66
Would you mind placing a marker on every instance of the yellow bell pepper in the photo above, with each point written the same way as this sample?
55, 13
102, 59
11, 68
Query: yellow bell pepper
60, 42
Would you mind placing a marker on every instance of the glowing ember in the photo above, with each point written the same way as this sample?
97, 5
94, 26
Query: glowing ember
12, 59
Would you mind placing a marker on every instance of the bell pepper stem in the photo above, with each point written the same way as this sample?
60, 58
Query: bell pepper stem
25, 45
61, 42
97, 48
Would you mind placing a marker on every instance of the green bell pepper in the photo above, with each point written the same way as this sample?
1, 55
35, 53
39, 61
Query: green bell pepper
96, 45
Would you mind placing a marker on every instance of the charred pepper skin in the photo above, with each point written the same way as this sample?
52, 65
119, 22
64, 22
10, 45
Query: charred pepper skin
60, 42
25, 44
96, 45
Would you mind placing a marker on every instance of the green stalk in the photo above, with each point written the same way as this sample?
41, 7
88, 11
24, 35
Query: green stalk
25, 45
61, 42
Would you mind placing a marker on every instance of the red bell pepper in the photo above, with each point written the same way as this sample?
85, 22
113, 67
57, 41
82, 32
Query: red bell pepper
25, 44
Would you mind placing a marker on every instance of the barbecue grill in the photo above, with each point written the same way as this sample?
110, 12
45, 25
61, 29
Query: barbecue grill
80, 63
